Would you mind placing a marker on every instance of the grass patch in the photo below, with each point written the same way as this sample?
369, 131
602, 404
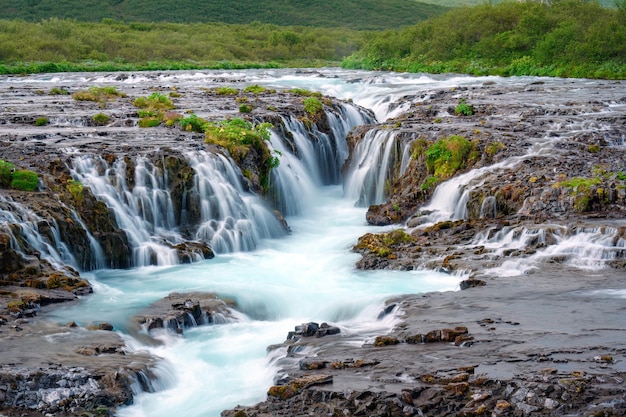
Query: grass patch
313, 106
6, 173
98, 94
100, 119
24, 180
447, 155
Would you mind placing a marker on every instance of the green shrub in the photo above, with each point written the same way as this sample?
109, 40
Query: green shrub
464, 109
236, 132
76, 190
245, 108
6, 173
24, 180
193, 123
304, 92
155, 102
56, 91
100, 119
98, 94
447, 155
313, 106
255, 89
149, 122
226, 91
41, 121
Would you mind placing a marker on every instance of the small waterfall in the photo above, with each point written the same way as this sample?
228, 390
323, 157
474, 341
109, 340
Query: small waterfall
30, 234
145, 211
231, 219
374, 166
488, 208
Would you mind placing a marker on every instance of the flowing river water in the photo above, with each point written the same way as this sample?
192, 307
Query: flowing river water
278, 282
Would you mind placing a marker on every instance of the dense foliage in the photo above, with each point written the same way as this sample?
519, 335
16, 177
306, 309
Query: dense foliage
567, 38
355, 14
56, 45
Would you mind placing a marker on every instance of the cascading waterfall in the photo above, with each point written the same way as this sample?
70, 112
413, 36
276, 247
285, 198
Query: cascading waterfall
231, 219
374, 165
23, 227
145, 211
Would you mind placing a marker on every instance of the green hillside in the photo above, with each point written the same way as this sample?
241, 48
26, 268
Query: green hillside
354, 14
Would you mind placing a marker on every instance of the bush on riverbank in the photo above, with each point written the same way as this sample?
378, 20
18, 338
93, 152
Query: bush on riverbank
565, 39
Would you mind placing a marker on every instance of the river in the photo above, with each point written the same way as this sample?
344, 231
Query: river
277, 282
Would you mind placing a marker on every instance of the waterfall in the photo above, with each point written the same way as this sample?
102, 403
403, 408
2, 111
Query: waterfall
145, 211
231, 219
30, 234
378, 159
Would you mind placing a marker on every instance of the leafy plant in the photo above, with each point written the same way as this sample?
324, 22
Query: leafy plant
100, 119
226, 91
463, 109
98, 94
6, 173
193, 123
245, 108
41, 121
24, 180
76, 190
313, 106
447, 155
255, 89
56, 91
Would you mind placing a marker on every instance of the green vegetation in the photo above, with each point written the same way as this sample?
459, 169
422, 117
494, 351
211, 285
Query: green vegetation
66, 45
6, 173
493, 148
464, 109
566, 39
56, 91
98, 94
304, 92
255, 89
76, 190
100, 119
193, 123
41, 121
447, 155
18, 179
356, 14
582, 191
24, 180
226, 91
313, 106
245, 108
382, 244
152, 109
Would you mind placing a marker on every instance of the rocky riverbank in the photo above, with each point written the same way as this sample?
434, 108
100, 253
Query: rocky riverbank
538, 331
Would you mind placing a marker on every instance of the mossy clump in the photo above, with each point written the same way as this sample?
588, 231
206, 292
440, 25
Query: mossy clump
56, 91
446, 156
98, 94
41, 121
313, 106
75, 188
100, 119
6, 173
494, 147
464, 109
383, 244
155, 103
255, 89
193, 123
245, 108
385, 341
24, 180
149, 121
584, 192
226, 91
304, 92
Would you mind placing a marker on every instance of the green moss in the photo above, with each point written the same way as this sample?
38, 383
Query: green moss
226, 91
100, 119
41, 121
25, 180
193, 123
463, 109
76, 190
6, 173
493, 148
98, 94
304, 92
149, 121
593, 148
155, 102
245, 108
56, 91
313, 106
447, 155
255, 89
